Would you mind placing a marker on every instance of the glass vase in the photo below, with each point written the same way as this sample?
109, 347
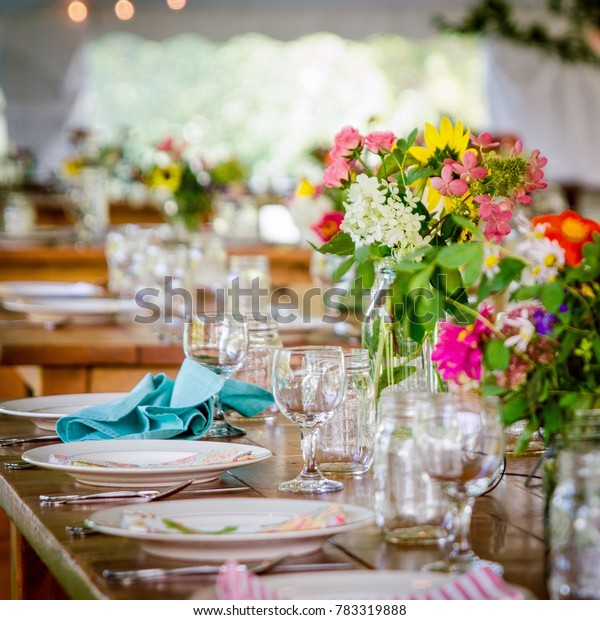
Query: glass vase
397, 358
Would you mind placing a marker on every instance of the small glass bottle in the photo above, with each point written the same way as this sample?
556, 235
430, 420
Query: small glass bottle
249, 286
574, 512
410, 508
345, 442
263, 339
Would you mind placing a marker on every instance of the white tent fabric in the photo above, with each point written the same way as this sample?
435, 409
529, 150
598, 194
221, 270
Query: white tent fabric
553, 106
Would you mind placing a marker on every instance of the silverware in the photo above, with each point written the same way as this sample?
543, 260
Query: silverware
13, 465
129, 576
11, 441
148, 495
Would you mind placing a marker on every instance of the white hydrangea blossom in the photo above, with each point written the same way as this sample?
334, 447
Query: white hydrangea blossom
375, 213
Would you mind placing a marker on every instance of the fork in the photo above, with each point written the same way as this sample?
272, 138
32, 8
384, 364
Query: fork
148, 495
11, 441
129, 576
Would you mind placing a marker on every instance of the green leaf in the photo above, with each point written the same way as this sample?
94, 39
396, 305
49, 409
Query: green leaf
342, 269
552, 295
366, 273
510, 270
467, 224
459, 254
526, 292
496, 355
398, 375
341, 245
514, 410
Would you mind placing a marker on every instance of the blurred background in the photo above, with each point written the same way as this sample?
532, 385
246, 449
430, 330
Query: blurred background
255, 90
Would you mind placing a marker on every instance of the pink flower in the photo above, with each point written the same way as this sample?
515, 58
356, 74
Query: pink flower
346, 142
496, 216
380, 142
459, 350
468, 169
447, 185
329, 225
521, 196
484, 140
518, 147
457, 353
336, 173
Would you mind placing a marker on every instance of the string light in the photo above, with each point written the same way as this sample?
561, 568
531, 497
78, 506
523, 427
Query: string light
124, 10
176, 4
77, 11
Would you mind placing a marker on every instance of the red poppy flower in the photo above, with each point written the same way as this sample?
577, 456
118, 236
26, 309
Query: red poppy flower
570, 230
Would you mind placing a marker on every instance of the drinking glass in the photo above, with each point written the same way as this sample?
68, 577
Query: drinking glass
308, 385
460, 439
219, 342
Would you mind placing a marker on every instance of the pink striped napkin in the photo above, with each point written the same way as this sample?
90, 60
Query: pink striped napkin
235, 583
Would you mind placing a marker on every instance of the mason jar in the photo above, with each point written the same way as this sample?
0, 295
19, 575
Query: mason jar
263, 339
410, 508
345, 442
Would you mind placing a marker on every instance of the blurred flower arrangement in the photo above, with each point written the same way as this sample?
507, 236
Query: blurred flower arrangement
186, 183
89, 153
541, 351
412, 207
17, 167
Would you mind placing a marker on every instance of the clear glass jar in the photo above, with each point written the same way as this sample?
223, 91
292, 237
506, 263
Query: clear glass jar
410, 508
574, 559
249, 286
345, 443
574, 511
263, 339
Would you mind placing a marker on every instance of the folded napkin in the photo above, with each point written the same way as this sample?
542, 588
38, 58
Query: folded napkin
159, 407
235, 583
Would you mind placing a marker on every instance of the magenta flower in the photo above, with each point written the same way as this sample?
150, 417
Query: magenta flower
484, 140
457, 353
329, 225
380, 142
336, 173
447, 185
347, 141
468, 168
497, 217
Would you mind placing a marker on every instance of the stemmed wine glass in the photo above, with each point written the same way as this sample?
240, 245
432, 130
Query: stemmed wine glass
308, 385
460, 438
219, 342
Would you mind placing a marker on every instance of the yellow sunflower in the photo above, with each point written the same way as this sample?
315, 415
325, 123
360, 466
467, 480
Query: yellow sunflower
449, 141
168, 176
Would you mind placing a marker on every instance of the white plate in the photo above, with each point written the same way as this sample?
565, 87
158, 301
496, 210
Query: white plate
43, 411
355, 585
34, 288
137, 452
218, 513
76, 310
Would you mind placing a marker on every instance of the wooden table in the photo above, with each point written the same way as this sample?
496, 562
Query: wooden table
47, 563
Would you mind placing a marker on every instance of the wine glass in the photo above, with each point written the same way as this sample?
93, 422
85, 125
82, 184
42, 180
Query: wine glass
219, 342
308, 385
460, 438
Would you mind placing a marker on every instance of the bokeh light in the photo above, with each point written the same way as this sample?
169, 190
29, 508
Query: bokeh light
176, 4
124, 10
77, 11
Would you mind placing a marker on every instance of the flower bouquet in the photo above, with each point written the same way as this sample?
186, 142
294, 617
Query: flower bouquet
182, 182
411, 213
539, 350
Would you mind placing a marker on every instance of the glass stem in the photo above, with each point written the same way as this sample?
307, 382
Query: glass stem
309, 451
217, 411
463, 510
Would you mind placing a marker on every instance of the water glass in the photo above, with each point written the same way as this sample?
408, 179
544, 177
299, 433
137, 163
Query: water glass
345, 446
410, 507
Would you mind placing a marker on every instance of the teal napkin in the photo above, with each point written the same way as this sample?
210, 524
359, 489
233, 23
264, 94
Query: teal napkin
159, 407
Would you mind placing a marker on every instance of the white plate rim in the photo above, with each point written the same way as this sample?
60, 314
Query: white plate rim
164, 508
72, 307
162, 445
26, 288
402, 583
56, 400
